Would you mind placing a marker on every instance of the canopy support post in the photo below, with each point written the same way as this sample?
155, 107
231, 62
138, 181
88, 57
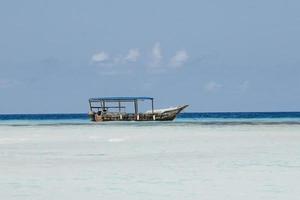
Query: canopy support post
152, 106
90, 106
135, 107
103, 105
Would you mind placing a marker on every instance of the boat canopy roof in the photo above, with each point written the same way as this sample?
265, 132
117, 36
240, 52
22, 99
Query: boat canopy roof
119, 99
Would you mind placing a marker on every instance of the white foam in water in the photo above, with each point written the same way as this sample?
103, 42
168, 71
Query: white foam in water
150, 162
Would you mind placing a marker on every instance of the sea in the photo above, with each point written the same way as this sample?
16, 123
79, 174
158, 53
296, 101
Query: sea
214, 156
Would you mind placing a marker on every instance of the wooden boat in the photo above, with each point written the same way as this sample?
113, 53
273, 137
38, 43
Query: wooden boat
114, 109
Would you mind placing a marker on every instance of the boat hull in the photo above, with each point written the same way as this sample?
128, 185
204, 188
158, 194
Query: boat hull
167, 115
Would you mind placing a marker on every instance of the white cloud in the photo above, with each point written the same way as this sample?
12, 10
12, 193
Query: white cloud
156, 55
155, 63
100, 57
179, 58
132, 55
212, 86
104, 59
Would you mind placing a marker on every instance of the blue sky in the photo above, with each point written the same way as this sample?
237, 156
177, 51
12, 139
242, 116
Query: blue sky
214, 55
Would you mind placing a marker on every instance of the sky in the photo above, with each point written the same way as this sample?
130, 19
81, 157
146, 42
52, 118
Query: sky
215, 55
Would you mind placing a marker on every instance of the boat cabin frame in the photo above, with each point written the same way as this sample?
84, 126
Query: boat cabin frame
100, 104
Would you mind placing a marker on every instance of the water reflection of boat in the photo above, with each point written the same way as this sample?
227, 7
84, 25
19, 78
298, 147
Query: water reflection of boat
114, 109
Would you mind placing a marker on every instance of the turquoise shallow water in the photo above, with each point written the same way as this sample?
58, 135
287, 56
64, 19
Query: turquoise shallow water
173, 160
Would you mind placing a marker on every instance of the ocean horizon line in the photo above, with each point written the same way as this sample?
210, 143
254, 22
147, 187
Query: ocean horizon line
192, 112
